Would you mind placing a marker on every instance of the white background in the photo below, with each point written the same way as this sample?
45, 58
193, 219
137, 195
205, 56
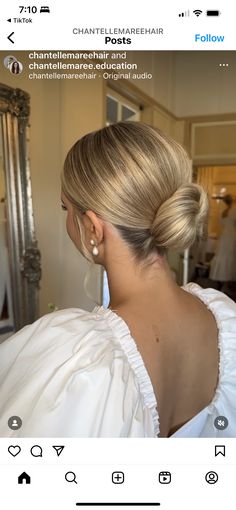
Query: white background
55, 30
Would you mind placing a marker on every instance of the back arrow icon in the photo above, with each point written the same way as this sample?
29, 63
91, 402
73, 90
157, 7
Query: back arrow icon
9, 37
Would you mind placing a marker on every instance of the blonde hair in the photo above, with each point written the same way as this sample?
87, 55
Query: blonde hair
138, 179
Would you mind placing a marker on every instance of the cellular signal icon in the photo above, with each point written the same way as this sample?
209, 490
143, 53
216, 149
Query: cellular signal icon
197, 12
183, 14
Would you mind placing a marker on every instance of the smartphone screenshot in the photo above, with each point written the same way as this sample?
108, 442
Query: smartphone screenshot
117, 255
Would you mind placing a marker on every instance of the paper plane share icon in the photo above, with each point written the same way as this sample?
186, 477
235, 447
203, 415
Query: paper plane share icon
59, 449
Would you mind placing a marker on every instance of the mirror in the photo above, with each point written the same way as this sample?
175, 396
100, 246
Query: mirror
20, 270
6, 315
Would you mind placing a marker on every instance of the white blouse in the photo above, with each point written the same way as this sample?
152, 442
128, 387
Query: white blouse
74, 373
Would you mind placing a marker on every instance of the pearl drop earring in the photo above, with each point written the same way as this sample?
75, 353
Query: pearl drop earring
94, 250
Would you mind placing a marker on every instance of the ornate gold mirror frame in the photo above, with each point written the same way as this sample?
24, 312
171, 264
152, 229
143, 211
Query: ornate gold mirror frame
24, 256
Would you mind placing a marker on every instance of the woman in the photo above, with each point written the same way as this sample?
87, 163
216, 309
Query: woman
223, 266
15, 67
161, 360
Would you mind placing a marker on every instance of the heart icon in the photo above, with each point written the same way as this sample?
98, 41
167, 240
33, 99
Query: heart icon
14, 450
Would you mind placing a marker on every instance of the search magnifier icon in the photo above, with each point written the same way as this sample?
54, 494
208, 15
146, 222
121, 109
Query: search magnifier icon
70, 476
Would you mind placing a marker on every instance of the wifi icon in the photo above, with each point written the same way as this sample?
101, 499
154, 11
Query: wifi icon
197, 12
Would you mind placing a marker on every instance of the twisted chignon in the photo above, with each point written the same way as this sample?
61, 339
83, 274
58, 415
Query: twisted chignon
181, 219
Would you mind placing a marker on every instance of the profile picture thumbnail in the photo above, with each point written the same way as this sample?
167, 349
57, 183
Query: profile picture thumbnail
13, 65
16, 67
8, 61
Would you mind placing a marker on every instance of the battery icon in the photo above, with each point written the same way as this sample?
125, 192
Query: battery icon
213, 13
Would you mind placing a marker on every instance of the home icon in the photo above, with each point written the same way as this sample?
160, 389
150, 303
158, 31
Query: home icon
24, 478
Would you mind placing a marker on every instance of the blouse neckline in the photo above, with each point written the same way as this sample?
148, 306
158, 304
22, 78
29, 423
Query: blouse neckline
135, 359
122, 333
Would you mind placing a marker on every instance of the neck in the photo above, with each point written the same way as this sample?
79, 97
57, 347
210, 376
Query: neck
130, 285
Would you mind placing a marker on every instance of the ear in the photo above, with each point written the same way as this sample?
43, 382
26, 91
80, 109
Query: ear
94, 226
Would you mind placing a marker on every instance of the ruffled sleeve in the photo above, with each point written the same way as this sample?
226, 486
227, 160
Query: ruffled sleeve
224, 401
75, 374
122, 333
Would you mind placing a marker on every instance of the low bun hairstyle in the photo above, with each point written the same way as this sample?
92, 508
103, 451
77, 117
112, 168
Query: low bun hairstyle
139, 180
181, 219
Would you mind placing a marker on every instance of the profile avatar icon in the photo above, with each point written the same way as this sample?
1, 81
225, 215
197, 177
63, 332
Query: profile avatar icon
14, 422
16, 67
13, 65
8, 61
